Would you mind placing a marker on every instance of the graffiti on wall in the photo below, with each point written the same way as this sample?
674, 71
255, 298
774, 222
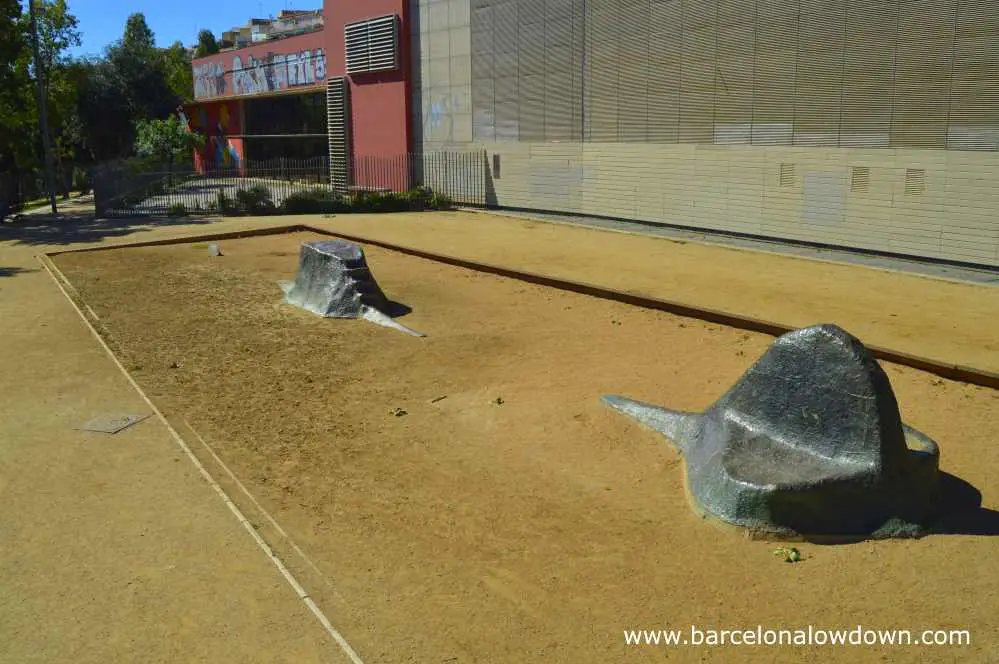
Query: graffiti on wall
209, 80
249, 75
439, 111
278, 71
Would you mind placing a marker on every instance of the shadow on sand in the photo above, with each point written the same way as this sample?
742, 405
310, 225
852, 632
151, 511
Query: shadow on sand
81, 227
962, 512
397, 309
14, 271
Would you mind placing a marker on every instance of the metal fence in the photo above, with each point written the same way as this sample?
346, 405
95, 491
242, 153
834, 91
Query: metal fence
143, 188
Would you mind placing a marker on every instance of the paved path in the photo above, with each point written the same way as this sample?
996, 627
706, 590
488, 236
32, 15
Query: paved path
983, 275
114, 548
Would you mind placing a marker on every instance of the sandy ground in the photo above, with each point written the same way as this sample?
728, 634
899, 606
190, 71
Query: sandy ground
113, 548
518, 519
947, 321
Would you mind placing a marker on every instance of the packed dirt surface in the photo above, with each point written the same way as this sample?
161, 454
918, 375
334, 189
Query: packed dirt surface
468, 498
949, 322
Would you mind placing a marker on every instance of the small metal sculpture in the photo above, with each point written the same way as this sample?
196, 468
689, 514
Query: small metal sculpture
334, 281
808, 443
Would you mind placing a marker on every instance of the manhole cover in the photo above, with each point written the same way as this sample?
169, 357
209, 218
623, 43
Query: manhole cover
112, 423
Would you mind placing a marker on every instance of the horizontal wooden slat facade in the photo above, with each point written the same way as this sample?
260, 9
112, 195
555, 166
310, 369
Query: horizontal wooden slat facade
863, 123
875, 73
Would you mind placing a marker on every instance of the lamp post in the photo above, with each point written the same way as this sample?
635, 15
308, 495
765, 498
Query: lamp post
43, 113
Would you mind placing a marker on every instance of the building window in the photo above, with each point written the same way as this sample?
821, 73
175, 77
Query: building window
372, 45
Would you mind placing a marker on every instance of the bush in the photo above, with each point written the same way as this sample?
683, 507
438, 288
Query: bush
177, 210
371, 201
313, 201
440, 202
381, 201
319, 200
223, 203
419, 197
81, 180
255, 200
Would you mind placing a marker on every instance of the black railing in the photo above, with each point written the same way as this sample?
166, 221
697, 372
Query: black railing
137, 188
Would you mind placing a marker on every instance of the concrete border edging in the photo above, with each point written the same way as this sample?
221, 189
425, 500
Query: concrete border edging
230, 235
958, 372
952, 371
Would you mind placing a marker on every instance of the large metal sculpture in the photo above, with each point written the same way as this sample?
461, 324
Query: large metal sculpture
808, 443
334, 281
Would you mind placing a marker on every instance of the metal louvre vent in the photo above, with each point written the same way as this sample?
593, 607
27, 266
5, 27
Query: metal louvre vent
860, 179
915, 181
338, 131
372, 44
786, 177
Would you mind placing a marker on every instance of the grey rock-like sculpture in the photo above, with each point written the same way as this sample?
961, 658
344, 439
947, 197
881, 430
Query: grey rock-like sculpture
334, 281
808, 443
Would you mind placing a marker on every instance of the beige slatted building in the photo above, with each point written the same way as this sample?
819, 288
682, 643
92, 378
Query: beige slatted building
862, 123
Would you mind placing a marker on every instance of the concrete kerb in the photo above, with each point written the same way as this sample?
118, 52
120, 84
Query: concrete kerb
963, 373
966, 374
189, 239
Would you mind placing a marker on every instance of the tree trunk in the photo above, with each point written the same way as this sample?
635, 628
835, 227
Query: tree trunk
63, 180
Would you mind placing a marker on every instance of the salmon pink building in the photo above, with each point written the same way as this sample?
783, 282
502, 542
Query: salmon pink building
869, 124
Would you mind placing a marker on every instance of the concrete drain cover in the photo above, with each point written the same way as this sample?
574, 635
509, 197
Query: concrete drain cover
112, 423
808, 442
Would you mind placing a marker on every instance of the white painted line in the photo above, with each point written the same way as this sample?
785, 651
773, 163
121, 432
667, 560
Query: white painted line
260, 508
53, 270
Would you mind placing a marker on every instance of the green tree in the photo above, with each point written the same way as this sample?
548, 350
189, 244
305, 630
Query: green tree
133, 81
166, 140
139, 65
138, 38
178, 72
13, 79
57, 31
105, 110
20, 145
207, 45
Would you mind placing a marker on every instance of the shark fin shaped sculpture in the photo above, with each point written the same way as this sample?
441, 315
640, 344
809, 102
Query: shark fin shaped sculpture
807, 444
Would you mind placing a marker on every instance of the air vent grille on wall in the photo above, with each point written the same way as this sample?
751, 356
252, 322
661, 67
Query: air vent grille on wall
915, 181
372, 44
338, 131
860, 178
786, 177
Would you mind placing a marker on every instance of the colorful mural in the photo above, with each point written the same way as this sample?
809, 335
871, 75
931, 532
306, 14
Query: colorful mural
270, 67
219, 123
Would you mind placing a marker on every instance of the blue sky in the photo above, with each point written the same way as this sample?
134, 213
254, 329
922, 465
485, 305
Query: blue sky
102, 21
